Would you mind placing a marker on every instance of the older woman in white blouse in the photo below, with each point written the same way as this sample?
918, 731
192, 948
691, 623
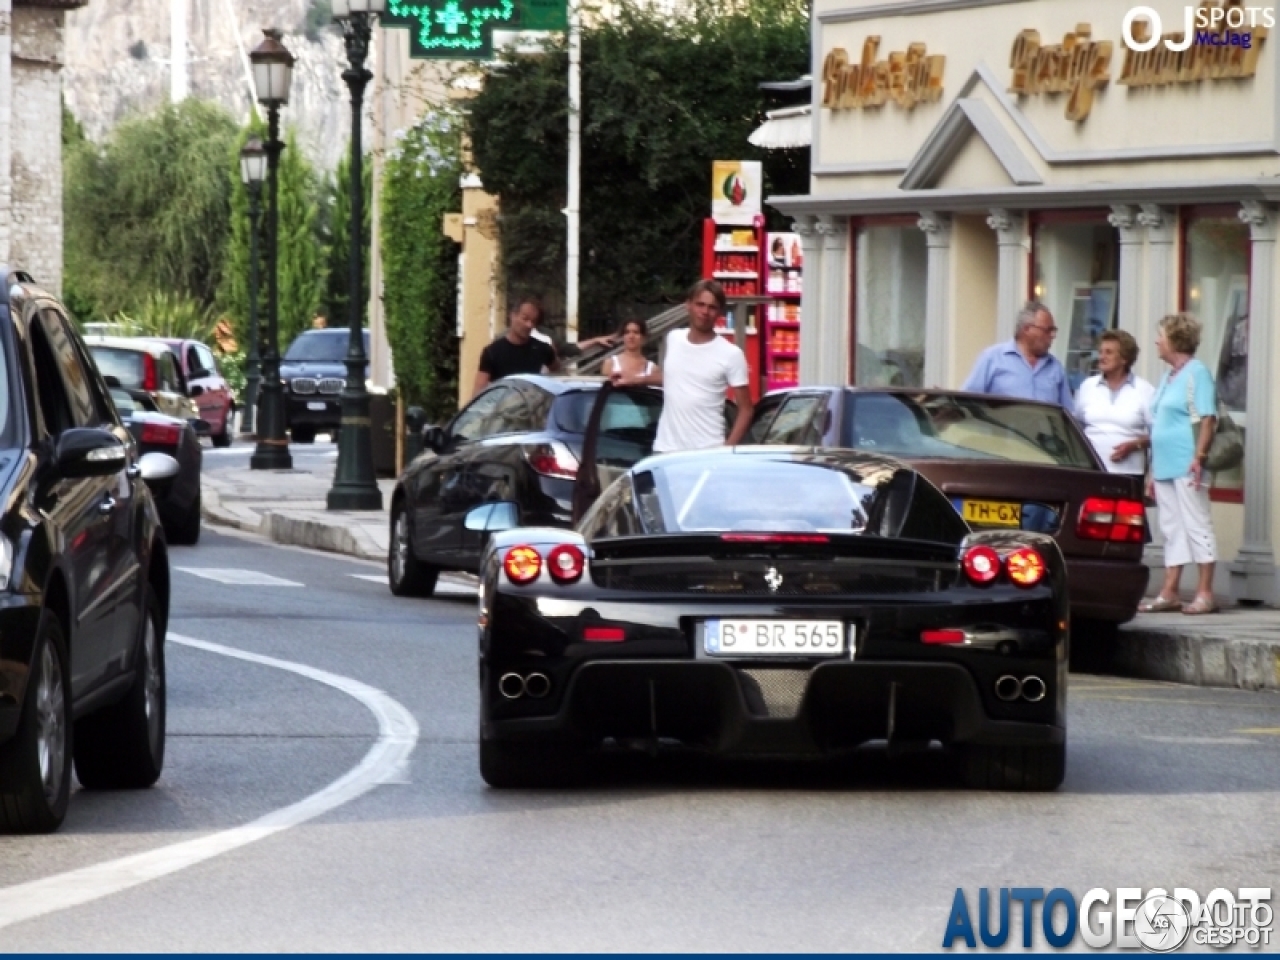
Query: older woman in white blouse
1114, 406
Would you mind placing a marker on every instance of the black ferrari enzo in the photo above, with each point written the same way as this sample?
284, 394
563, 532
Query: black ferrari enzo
769, 601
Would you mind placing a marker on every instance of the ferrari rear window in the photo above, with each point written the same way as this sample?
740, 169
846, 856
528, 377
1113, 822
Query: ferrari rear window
730, 493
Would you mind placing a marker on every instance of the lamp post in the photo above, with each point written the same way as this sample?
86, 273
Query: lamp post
354, 485
253, 170
272, 72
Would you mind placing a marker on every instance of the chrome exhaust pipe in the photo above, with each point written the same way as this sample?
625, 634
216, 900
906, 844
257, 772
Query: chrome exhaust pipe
511, 686
1033, 689
1008, 688
537, 685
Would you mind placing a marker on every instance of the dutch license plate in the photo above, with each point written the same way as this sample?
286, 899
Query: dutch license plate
774, 638
314, 405
992, 513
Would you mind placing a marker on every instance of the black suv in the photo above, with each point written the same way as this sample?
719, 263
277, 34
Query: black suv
84, 574
314, 372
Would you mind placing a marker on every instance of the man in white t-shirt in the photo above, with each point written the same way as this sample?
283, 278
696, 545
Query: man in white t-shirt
699, 367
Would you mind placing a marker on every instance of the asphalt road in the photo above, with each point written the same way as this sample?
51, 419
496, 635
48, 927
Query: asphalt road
1166, 786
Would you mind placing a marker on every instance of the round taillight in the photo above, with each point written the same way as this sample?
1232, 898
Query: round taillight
522, 564
565, 563
981, 565
1025, 566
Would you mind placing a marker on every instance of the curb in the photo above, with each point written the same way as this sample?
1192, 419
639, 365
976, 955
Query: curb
1218, 659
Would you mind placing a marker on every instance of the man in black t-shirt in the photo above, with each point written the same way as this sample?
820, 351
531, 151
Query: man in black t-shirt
518, 351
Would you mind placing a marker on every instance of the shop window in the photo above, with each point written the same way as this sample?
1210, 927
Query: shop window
1076, 264
890, 266
1215, 287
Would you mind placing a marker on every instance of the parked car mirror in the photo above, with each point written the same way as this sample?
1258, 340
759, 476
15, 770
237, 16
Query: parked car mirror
202, 427
157, 466
492, 517
434, 438
88, 452
197, 392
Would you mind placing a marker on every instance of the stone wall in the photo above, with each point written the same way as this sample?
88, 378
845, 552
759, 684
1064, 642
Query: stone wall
35, 165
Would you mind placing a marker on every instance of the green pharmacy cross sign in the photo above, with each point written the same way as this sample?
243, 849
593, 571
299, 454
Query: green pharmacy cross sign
463, 29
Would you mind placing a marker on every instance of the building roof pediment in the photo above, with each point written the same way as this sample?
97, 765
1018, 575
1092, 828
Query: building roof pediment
969, 115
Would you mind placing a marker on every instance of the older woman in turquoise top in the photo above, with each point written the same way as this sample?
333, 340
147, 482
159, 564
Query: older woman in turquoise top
1183, 419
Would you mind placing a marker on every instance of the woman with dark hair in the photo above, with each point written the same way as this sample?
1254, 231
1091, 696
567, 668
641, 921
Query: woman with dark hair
632, 367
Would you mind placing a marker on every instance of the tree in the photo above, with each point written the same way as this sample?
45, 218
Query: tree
337, 240
149, 211
420, 184
663, 96
299, 254
233, 295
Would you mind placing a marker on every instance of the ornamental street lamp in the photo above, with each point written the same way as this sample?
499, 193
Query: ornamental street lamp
253, 170
354, 485
272, 73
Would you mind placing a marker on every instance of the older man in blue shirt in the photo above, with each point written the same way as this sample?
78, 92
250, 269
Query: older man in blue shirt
1023, 367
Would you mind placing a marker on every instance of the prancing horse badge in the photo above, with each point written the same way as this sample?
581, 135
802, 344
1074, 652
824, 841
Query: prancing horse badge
773, 578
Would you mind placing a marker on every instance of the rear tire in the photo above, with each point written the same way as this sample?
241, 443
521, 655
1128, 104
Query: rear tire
508, 765
122, 746
35, 766
186, 531
1036, 768
406, 574
302, 434
224, 438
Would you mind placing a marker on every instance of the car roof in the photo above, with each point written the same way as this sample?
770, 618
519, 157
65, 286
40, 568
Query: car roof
136, 344
828, 456
908, 392
557, 385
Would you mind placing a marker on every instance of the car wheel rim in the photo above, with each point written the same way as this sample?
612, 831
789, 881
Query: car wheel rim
51, 725
400, 556
152, 684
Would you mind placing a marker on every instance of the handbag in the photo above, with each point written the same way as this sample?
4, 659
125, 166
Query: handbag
1226, 449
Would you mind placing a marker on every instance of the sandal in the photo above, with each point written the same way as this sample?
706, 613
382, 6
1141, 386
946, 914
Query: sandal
1161, 605
1200, 605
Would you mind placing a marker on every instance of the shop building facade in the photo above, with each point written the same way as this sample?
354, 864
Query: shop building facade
969, 155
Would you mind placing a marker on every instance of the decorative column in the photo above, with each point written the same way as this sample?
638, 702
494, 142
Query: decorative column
1125, 219
1253, 573
1011, 286
1162, 272
833, 323
937, 319
810, 300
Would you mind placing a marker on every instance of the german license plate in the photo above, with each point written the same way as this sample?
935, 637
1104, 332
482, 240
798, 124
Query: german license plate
992, 513
314, 405
774, 638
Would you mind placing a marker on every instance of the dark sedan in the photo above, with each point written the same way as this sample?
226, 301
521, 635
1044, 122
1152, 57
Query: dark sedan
178, 498
314, 371
850, 604
84, 574
520, 441
1004, 465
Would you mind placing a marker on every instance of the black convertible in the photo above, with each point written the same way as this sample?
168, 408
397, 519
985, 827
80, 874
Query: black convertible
768, 601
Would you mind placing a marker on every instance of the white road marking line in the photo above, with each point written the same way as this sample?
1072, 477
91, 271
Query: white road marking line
239, 578
444, 588
1202, 741
386, 762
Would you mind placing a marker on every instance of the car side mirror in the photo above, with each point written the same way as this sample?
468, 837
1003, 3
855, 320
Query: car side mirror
197, 392
157, 466
202, 427
492, 517
434, 438
88, 452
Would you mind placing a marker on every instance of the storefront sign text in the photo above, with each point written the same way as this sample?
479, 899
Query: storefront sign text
1078, 66
905, 77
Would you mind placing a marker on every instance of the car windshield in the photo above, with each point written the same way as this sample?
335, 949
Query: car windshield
725, 493
127, 366
321, 346
945, 426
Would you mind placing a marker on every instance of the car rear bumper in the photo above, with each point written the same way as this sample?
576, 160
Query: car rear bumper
19, 621
1107, 590
765, 710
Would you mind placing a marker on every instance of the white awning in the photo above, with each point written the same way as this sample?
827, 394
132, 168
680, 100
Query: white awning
784, 129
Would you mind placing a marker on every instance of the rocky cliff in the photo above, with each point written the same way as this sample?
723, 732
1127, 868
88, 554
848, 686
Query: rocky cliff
117, 57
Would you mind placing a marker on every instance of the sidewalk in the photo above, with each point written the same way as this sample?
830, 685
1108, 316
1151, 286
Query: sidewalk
1238, 647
